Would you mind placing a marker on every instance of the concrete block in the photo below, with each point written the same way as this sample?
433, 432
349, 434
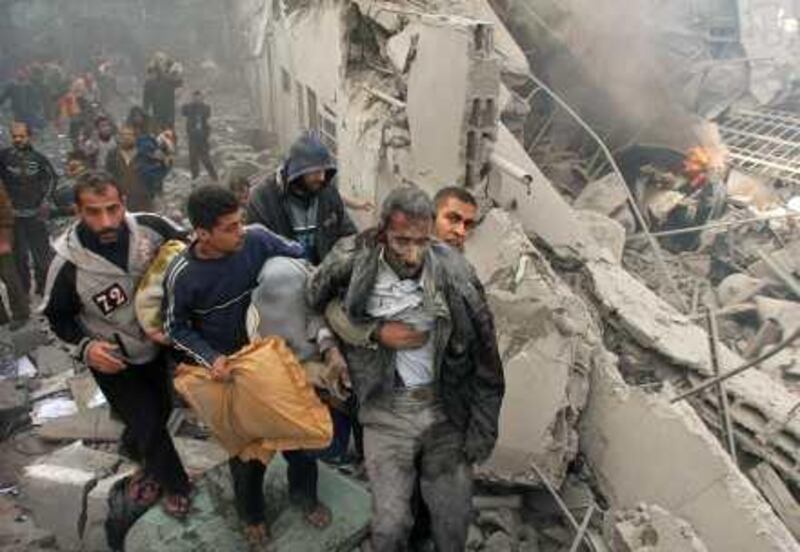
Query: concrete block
605, 196
759, 404
651, 528
52, 360
93, 425
55, 489
214, 526
607, 232
18, 533
643, 449
399, 46
547, 339
97, 509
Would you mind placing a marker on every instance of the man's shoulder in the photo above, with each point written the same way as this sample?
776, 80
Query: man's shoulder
160, 225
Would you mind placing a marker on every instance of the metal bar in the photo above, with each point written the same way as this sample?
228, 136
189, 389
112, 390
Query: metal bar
716, 225
746, 366
727, 424
552, 490
582, 529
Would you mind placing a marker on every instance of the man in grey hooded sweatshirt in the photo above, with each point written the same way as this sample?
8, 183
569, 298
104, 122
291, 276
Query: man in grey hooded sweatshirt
89, 303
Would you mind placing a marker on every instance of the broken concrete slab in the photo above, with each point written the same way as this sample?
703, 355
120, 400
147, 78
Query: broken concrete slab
759, 405
93, 425
214, 526
51, 360
546, 338
28, 338
778, 495
55, 489
84, 391
608, 233
18, 533
630, 439
13, 400
605, 196
97, 510
650, 528
738, 288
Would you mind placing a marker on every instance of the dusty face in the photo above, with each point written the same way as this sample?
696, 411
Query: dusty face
407, 241
226, 237
455, 221
127, 138
102, 212
20, 136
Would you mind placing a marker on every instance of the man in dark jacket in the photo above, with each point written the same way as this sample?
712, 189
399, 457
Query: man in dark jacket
431, 399
30, 180
26, 102
159, 96
197, 114
301, 202
208, 290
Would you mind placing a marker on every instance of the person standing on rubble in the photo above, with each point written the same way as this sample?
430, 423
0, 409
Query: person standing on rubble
206, 300
301, 201
197, 114
124, 163
429, 405
163, 79
26, 104
89, 305
30, 180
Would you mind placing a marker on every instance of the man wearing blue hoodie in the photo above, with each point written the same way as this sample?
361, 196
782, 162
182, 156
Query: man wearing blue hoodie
301, 201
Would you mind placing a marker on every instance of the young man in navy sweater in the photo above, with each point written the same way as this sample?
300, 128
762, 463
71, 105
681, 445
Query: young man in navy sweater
208, 289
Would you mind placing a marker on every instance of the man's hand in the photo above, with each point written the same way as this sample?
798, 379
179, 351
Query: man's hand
221, 370
103, 357
339, 384
399, 335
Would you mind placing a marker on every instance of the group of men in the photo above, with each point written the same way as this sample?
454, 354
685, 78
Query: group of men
414, 337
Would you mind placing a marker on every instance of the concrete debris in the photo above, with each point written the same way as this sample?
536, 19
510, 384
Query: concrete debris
651, 528
18, 533
55, 488
778, 495
52, 360
546, 362
738, 288
213, 524
13, 403
93, 425
608, 233
639, 465
95, 538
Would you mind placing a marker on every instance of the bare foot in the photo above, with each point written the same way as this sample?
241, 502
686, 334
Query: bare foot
256, 535
318, 516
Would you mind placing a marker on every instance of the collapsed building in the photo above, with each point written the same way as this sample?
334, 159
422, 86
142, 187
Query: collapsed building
425, 93
592, 324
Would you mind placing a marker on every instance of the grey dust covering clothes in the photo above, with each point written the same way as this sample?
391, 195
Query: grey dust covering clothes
405, 301
278, 307
100, 292
408, 438
467, 365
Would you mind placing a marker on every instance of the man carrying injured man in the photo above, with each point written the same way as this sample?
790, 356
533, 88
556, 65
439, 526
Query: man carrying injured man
429, 405
207, 293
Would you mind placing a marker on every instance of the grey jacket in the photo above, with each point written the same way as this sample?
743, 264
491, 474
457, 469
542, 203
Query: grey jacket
467, 364
105, 291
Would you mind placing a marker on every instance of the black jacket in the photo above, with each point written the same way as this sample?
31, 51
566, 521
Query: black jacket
197, 115
268, 203
159, 99
469, 369
29, 178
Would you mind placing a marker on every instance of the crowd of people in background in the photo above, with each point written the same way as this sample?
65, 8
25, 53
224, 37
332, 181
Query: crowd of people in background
406, 330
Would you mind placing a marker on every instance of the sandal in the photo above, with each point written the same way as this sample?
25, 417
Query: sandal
318, 516
177, 505
143, 490
256, 535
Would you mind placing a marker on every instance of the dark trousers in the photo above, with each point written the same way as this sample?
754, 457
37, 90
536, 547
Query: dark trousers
140, 396
20, 309
199, 153
248, 484
31, 240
